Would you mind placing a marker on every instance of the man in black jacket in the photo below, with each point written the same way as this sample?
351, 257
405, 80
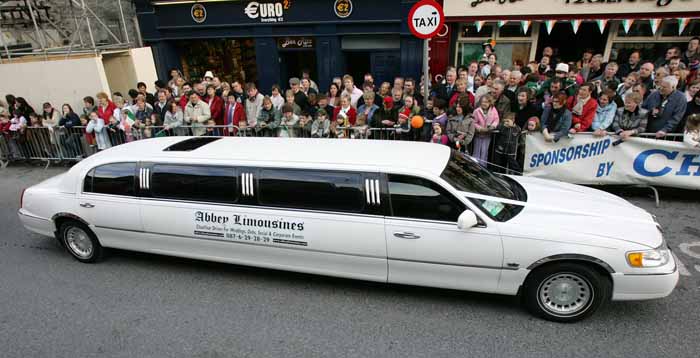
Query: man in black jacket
445, 90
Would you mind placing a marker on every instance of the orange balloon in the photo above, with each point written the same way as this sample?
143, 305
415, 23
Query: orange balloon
417, 122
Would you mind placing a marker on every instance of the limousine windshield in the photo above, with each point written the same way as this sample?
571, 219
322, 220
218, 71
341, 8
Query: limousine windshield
465, 174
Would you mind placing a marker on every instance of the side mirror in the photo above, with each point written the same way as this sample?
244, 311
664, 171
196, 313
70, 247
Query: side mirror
467, 220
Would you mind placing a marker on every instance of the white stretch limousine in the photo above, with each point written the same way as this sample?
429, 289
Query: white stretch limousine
399, 212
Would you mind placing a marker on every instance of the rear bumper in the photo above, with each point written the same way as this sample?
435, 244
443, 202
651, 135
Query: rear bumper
643, 287
35, 223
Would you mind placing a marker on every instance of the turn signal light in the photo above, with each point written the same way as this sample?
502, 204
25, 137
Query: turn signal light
635, 259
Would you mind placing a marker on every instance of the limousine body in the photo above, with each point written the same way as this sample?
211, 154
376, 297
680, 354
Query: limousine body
403, 212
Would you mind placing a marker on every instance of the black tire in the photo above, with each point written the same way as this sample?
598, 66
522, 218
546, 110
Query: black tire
80, 242
565, 292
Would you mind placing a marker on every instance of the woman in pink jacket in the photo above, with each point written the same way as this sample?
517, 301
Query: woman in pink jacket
485, 121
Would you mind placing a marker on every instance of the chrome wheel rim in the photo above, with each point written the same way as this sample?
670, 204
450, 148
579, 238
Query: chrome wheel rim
565, 294
79, 242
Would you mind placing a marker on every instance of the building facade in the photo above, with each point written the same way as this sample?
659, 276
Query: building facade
267, 42
521, 29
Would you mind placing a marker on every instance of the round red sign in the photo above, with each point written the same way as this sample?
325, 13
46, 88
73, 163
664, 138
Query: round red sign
425, 19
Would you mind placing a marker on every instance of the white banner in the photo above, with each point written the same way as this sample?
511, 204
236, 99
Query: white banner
585, 159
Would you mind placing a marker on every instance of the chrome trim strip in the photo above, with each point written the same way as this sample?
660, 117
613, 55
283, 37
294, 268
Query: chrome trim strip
377, 192
147, 178
251, 184
369, 198
453, 264
141, 178
244, 183
571, 257
245, 243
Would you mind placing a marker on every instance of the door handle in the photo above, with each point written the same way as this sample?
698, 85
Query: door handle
87, 205
406, 235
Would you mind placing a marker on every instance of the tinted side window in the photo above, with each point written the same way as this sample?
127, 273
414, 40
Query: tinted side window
307, 189
114, 179
418, 198
87, 182
191, 182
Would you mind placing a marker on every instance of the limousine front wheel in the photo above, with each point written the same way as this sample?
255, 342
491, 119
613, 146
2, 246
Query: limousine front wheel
81, 242
566, 292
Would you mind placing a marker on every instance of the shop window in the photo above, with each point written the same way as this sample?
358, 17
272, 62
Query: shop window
651, 51
230, 60
514, 29
469, 31
507, 53
468, 52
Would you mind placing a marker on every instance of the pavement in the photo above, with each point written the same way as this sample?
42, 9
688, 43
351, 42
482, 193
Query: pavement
140, 305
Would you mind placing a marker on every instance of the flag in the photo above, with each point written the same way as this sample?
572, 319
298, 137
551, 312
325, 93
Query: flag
575, 24
479, 25
526, 25
501, 23
549, 24
655, 23
682, 23
601, 25
627, 24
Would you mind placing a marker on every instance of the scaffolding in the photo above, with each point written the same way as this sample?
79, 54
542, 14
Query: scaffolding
38, 30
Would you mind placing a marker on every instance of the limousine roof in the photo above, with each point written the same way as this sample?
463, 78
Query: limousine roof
422, 156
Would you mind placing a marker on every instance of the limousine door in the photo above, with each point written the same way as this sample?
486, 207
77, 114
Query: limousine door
424, 245
108, 201
299, 220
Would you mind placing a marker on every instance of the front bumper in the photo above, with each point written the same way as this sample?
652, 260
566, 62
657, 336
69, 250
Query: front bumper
35, 223
643, 287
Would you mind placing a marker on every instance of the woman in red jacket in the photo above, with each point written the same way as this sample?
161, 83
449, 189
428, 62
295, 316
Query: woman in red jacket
461, 90
346, 111
105, 108
583, 108
216, 105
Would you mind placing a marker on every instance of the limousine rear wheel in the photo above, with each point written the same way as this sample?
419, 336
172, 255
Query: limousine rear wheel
565, 292
81, 242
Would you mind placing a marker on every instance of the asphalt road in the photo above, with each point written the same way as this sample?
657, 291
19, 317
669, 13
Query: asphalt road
138, 305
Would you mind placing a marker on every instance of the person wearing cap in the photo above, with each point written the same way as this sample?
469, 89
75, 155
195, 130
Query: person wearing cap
300, 98
561, 72
208, 77
386, 116
321, 127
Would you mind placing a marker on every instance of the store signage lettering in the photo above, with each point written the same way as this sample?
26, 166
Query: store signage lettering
476, 3
658, 2
267, 12
295, 42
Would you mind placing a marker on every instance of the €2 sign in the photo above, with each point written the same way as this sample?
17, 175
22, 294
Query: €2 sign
426, 19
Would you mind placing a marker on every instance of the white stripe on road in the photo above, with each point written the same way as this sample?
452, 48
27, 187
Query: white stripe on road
681, 267
685, 247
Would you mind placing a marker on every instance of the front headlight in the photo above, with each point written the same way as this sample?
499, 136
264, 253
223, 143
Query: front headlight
649, 258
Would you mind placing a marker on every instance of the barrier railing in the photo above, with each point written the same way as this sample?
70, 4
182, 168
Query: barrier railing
76, 143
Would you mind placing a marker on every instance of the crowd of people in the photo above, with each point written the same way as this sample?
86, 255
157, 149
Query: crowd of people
471, 106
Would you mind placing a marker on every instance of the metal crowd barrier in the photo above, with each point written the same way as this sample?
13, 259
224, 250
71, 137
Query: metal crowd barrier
60, 144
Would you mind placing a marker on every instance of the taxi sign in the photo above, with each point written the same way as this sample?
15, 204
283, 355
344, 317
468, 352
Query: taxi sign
425, 19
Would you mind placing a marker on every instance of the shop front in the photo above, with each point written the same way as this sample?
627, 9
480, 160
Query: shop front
521, 29
268, 42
